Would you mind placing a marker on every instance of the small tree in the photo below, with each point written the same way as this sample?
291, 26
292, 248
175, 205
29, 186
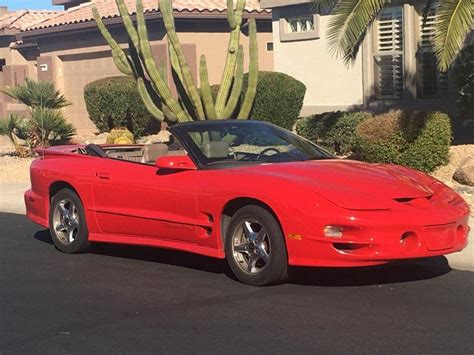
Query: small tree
46, 124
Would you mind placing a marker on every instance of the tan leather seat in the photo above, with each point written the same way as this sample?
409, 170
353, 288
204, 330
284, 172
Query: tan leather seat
151, 152
216, 150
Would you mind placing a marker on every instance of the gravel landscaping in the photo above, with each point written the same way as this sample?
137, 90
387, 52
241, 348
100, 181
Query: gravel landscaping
15, 169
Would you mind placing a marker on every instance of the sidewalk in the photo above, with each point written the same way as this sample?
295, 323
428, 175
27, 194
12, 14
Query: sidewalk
11, 201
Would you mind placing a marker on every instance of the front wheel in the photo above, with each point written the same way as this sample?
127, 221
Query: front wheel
67, 223
255, 247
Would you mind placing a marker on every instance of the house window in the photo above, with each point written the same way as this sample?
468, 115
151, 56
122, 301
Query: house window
388, 54
269, 46
300, 24
431, 83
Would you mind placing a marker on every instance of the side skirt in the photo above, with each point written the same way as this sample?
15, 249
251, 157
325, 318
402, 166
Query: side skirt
154, 242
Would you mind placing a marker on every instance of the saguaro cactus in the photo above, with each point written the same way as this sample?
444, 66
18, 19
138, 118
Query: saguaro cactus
152, 80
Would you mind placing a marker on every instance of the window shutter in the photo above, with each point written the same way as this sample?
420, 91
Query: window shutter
430, 82
388, 55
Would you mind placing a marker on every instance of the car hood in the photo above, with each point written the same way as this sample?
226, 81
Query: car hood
351, 184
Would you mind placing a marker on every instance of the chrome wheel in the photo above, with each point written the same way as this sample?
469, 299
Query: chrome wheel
251, 247
66, 221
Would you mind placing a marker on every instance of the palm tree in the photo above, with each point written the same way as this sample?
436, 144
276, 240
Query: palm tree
352, 18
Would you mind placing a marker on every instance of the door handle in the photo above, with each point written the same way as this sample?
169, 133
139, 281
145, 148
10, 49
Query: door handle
105, 176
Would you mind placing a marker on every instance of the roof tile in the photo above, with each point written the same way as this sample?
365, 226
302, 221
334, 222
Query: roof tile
108, 9
23, 19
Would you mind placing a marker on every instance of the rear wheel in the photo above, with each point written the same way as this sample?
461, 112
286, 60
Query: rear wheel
67, 223
255, 248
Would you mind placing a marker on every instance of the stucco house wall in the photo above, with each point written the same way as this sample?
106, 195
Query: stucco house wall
330, 85
302, 51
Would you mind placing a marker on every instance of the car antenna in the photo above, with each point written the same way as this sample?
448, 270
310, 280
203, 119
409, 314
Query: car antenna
42, 127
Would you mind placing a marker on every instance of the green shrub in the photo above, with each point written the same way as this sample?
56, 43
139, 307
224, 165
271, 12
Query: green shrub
332, 130
278, 100
115, 102
464, 73
419, 140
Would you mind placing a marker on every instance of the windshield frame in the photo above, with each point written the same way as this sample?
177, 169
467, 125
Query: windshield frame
180, 131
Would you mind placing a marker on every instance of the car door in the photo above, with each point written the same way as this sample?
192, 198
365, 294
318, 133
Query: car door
134, 199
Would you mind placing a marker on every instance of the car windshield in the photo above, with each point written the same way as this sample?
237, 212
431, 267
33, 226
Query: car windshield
239, 142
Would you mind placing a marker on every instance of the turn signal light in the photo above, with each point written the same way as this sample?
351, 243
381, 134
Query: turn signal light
333, 231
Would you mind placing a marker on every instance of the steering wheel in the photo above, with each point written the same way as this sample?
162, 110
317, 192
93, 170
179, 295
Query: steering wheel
266, 150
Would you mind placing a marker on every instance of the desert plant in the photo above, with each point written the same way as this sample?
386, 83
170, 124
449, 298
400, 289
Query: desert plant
151, 79
37, 94
279, 98
120, 135
115, 102
420, 140
48, 127
46, 124
464, 73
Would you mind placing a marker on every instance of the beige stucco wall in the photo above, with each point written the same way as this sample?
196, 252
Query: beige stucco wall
83, 57
329, 83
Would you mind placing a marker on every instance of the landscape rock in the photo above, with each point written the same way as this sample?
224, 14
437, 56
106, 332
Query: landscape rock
162, 137
464, 174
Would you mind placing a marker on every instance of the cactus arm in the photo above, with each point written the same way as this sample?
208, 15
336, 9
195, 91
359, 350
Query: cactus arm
148, 101
237, 85
188, 82
127, 21
206, 92
118, 55
150, 66
229, 68
253, 73
230, 14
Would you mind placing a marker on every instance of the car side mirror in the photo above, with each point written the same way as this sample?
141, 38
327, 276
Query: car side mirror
175, 162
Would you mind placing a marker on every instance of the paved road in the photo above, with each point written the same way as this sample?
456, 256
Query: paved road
130, 299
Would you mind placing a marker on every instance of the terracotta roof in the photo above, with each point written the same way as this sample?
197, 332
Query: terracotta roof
22, 19
108, 9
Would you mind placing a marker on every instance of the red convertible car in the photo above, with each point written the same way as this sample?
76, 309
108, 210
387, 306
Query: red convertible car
248, 191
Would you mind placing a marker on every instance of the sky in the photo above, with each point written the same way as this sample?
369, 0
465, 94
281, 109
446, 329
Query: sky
29, 4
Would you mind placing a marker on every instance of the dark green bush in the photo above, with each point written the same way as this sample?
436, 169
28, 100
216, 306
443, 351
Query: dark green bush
419, 140
464, 73
332, 130
278, 100
115, 102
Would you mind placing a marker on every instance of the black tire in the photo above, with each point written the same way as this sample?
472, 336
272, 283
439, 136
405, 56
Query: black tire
76, 221
242, 250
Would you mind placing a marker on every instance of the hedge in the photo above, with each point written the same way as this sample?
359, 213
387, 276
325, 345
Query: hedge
332, 130
278, 100
115, 102
419, 140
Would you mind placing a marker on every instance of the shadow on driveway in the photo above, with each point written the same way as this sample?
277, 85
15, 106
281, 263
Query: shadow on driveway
401, 271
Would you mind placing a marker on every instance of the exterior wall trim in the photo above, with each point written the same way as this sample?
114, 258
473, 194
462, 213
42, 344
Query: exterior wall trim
148, 16
278, 3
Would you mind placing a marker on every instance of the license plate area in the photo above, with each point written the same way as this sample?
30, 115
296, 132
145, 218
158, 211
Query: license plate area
440, 237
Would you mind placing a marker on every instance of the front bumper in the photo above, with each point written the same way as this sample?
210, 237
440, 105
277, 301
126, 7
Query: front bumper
380, 239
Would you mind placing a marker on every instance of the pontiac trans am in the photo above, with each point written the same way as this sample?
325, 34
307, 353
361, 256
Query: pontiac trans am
248, 191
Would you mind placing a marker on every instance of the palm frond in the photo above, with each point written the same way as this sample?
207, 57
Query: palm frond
12, 127
36, 94
348, 26
454, 21
51, 126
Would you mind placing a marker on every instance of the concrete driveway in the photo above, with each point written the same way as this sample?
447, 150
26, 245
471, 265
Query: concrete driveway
11, 200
